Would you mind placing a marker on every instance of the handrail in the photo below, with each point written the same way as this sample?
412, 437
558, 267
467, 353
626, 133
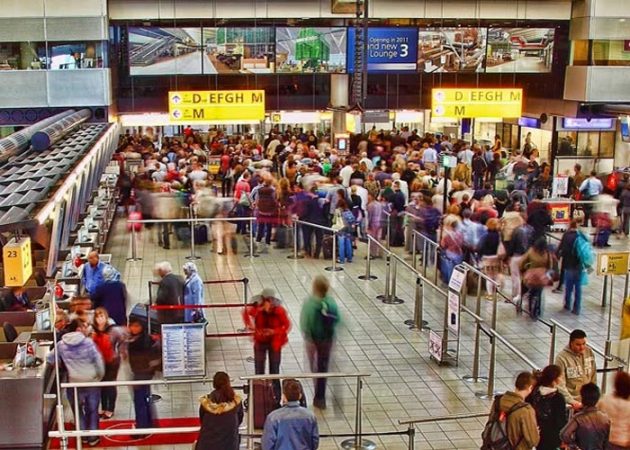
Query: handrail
333, 267
480, 273
116, 383
553, 237
284, 376
441, 418
595, 349
514, 350
426, 238
378, 244
314, 225
193, 219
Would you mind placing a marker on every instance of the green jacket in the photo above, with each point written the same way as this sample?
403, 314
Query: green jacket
319, 318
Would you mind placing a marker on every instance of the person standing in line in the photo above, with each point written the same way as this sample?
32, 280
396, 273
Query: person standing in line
92, 274
170, 292
112, 295
589, 429
551, 411
573, 265
375, 223
220, 414
577, 362
291, 427
521, 427
318, 320
193, 293
269, 322
617, 407
84, 363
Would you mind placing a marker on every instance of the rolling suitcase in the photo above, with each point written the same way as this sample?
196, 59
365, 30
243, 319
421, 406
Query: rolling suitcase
264, 401
327, 246
283, 235
139, 311
201, 234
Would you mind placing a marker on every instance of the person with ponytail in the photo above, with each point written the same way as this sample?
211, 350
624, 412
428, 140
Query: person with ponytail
220, 414
550, 407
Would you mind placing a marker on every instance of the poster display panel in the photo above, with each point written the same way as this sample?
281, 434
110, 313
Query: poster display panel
451, 49
233, 50
165, 51
184, 350
311, 49
389, 49
520, 50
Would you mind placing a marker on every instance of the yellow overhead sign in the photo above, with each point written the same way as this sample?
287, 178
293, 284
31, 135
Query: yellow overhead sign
616, 263
206, 106
17, 261
477, 103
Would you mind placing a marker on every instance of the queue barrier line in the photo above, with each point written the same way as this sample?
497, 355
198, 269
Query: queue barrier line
296, 222
193, 221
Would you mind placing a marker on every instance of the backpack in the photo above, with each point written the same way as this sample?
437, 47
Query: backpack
612, 182
495, 435
583, 250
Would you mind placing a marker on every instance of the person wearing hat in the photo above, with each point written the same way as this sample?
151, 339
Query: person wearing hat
270, 324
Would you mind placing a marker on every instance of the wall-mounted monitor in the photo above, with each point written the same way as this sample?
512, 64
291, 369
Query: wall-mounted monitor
310, 50
238, 50
570, 123
388, 49
529, 122
165, 51
520, 50
451, 49
625, 129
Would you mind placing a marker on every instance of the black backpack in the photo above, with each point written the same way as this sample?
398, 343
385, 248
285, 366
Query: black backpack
495, 435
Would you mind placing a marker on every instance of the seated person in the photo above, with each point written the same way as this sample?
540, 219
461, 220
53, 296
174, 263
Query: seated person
16, 300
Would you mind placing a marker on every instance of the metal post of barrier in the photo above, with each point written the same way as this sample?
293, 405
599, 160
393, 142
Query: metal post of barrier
389, 225
475, 378
334, 267
552, 347
608, 346
252, 252
412, 437
424, 258
77, 417
417, 323
435, 265
134, 250
604, 287
413, 250
495, 305
491, 370
295, 242
192, 241
625, 287
245, 298
250, 413
385, 296
392, 299
358, 442
368, 264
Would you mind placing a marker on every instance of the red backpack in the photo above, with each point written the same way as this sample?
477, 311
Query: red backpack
612, 181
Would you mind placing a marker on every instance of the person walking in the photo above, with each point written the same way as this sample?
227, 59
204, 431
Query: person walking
535, 268
220, 414
520, 417
111, 295
291, 427
170, 293
84, 363
617, 407
577, 362
108, 338
193, 293
589, 189
590, 428
270, 324
318, 320
551, 411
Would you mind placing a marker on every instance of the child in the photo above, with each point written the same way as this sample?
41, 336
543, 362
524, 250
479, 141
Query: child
588, 429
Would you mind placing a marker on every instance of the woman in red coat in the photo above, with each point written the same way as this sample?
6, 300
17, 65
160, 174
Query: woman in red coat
270, 324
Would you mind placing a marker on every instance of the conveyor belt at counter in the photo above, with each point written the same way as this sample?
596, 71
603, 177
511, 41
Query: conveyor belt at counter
31, 177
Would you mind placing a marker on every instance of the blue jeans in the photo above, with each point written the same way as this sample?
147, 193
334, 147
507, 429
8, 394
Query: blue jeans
573, 282
264, 229
142, 406
89, 398
345, 247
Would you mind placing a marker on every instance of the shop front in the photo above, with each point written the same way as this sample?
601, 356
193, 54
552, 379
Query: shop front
589, 142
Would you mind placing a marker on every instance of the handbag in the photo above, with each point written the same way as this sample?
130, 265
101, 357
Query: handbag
539, 277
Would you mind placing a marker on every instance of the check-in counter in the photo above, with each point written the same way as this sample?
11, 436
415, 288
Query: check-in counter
27, 399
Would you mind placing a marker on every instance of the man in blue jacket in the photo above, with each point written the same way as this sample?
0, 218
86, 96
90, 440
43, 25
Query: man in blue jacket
92, 276
291, 427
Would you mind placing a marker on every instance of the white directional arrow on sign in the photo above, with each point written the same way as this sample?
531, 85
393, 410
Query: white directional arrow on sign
177, 114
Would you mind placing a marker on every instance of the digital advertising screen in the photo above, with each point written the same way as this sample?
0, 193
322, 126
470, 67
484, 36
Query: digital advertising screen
451, 49
388, 49
165, 51
520, 50
310, 50
238, 50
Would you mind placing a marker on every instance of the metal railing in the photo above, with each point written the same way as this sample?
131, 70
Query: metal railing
333, 232
193, 221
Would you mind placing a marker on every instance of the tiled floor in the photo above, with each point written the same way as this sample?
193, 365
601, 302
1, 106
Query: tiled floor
404, 381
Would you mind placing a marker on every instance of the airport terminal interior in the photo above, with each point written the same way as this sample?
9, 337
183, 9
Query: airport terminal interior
314, 224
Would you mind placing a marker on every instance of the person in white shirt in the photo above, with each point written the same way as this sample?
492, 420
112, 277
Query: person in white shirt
197, 173
466, 155
346, 174
368, 162
429, 158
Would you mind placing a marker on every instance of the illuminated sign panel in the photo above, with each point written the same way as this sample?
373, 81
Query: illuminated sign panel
206, 106
477, 103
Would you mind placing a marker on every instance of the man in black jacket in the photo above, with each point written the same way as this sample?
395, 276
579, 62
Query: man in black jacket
170, 292
571, 267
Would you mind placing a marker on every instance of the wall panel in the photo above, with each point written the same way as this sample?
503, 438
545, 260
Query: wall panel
21, 8
23, 88
76, 8
22, 30
87, 87
77, 29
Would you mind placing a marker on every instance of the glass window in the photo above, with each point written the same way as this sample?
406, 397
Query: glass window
76, 55
567, 143
22, 55
607, 144
588, 143
579, 56
611, 53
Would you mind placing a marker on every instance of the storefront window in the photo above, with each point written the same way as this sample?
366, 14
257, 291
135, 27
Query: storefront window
58, 55
611, 53
579, 54
607, 145
587, 144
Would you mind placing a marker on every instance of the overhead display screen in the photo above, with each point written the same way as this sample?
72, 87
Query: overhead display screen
389, 49
238, 50
451, 49
520, 50
165, 51
310, 50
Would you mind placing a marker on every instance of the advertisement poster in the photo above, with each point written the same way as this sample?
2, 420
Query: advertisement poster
310, 50
453, 312
520, 50
389, 49
451, 49
184, 350
435, 346
560, 213
560, 186
238, 50
165, 51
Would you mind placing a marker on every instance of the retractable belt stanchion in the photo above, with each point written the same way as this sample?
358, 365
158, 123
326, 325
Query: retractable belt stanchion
252, 252
295, 254
192, 241
334, 267
368, 263
134, 244
390, 296
418, 322
386, 295
475, 378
